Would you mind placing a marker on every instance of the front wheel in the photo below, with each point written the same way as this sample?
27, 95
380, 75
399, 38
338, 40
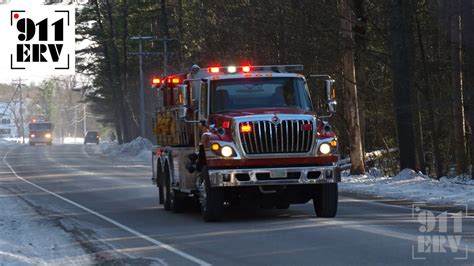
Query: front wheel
326, 199
211, 199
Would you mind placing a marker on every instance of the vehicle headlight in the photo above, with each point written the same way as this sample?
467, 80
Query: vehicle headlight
325, 148
227, 151
47, 135
32, 135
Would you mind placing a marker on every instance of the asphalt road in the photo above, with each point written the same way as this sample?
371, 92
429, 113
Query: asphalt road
112, 209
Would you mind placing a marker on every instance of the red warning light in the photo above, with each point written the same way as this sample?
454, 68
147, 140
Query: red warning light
156, 81
226, 124
175, 80
246, 68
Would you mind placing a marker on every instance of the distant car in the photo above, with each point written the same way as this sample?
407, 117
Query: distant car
92, 137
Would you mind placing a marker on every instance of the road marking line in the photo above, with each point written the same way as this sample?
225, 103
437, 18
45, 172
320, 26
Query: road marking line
128, 229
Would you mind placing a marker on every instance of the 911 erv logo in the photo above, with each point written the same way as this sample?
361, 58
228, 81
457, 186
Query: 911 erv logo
43, 39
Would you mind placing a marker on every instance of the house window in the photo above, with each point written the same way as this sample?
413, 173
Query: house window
4, 131
5, 121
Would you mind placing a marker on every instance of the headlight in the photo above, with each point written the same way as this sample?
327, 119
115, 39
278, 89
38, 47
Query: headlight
32, 135
47, 135
324, 148
226, 151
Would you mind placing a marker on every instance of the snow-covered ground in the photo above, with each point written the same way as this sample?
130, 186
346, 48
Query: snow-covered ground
27, 238
139, 149
411, 185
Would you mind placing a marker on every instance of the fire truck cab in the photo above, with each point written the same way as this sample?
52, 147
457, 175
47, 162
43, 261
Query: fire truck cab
244, 135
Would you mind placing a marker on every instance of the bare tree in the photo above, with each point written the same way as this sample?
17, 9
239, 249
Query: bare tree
351, 108
403, 69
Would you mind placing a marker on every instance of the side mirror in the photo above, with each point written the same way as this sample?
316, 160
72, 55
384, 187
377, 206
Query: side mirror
182, 101
183, 95
331, 95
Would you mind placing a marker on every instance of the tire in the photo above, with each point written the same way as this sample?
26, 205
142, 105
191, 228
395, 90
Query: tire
159, 184
173, 200
211, 199
32, 144
283, 205
167, 189
326, 199
177, 201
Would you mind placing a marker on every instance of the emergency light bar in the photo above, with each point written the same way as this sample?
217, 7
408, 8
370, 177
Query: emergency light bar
246, 69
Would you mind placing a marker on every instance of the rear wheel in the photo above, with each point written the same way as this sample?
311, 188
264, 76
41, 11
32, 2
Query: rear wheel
167, 189
326, 200
173, 200
211, 199
159, 183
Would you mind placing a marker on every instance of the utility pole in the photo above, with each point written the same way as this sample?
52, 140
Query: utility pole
85, 120
75, 124
22, 126
142, 86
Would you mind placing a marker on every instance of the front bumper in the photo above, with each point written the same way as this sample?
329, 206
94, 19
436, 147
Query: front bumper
273, 176
40, 140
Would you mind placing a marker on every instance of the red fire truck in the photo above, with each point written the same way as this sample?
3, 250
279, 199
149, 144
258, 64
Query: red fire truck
244, 135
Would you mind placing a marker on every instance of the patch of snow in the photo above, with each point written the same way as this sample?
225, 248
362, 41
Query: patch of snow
138, 149
27, 238
72, 140
411, 185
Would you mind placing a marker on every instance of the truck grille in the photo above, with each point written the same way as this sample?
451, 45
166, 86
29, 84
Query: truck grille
288, 136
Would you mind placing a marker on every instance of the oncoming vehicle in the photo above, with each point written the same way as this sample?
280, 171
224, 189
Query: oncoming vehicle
245, 135
40, 132
91, 137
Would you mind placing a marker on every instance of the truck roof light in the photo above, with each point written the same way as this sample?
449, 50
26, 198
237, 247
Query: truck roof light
246, 68
156, 81
175, 80
214, 69
231, 69
226, 124
245, 128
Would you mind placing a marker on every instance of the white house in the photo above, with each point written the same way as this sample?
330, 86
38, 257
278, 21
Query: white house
8, 113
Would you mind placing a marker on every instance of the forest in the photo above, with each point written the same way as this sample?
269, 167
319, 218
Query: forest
404, 68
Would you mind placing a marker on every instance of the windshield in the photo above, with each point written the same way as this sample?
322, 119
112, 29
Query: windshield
40, 126
238, 94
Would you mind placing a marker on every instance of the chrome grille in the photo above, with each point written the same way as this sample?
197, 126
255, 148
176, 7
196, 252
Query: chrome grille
288, 136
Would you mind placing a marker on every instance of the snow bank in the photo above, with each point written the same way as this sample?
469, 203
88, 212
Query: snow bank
27, 238
411, 185
138, 149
